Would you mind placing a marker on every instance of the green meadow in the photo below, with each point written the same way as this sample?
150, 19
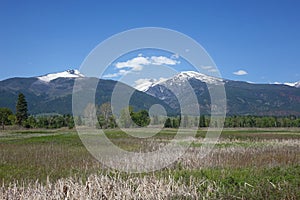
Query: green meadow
244, 164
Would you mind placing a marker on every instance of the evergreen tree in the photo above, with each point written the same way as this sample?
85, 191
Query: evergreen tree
202, 121
175, 123
21, 109
4, 114
168, 123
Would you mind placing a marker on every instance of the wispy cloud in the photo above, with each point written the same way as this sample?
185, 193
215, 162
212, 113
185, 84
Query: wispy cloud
121, 72
162, 60
240, 72
209, 68
136, 64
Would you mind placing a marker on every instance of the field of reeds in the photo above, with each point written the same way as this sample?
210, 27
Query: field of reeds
244, 164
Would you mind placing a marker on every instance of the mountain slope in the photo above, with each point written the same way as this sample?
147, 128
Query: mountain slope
52, 93
55, 96
242, 98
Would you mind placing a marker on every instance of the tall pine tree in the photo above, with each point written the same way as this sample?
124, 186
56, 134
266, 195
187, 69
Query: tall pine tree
202, 122
21, 109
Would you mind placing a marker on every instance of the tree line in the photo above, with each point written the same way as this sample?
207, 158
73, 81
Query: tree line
102, 117
22, 119
235, 121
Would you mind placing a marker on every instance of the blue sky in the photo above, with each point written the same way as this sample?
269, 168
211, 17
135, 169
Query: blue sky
259, 37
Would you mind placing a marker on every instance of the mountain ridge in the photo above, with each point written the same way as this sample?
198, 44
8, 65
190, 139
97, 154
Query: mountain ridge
53, 93
55, 96
71, 73
242, 98
185, 75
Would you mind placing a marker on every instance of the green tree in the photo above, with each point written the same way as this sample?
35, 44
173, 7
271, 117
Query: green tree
4, 114
78, 120
175, 122
70, 121
140, 118
42, 122
31, 122
12, 119
21, 109
202, 121
112, 122
168, 123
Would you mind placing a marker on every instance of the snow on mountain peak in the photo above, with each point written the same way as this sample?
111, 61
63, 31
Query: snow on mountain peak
145, 84
72, 73
202, 77
296, 84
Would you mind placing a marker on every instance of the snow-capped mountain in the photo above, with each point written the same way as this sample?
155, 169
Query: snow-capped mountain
72, 73
145, 84
52, 93
187, 75
296, 84
242, 97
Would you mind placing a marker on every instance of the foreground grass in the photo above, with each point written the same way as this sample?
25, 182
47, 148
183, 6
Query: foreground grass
276, 183
246, 164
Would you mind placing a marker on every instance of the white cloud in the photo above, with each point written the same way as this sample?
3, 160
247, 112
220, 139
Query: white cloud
111, 75
207, 67
121, 72
213, 70
162, 60
136, 64
240, 72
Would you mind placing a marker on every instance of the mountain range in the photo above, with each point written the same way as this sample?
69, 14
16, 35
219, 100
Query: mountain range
52, 93
242, 98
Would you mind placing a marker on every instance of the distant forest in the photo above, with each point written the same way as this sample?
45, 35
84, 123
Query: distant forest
130, 119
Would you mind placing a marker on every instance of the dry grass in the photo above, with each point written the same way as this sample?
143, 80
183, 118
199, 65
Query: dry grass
57, 166
271, 153
104, 187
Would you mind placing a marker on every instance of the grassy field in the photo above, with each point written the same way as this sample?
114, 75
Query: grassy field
245, 164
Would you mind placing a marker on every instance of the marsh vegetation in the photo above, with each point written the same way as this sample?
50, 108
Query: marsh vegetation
244, 164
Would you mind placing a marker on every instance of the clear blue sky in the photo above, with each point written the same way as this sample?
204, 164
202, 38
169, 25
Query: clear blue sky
260, 37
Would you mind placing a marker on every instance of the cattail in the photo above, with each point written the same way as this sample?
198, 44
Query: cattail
65, 190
